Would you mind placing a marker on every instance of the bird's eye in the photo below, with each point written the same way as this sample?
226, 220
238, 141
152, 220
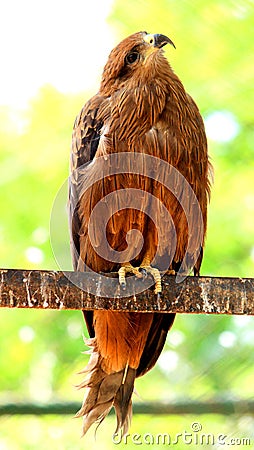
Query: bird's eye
132, 57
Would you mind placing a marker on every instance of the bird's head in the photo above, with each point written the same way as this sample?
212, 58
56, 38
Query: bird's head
135, 55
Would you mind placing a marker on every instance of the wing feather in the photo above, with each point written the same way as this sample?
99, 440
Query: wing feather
85, 141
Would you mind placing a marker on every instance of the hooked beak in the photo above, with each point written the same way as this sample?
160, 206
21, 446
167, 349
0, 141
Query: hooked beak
158, 40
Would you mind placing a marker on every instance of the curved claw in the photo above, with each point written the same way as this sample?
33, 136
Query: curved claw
123, 285
143, 271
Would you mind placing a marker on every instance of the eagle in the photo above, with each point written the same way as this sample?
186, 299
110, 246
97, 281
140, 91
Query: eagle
140, 114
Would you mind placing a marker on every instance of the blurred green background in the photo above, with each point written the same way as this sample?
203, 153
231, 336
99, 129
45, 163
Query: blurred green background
45, 81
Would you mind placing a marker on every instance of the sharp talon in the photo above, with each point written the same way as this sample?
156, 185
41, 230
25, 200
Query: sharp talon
137, 273
143, 271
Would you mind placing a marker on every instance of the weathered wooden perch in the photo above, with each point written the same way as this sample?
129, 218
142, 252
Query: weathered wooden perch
58, 290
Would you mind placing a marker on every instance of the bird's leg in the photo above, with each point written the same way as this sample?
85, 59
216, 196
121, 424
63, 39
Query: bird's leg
127, 268
146, 268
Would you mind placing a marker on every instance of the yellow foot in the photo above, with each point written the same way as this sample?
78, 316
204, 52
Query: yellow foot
156, 276
146, 268
141, 271
127, 268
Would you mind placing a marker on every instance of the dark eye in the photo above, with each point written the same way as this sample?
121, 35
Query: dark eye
132, 57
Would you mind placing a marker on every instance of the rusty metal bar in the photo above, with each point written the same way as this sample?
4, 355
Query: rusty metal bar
41, 289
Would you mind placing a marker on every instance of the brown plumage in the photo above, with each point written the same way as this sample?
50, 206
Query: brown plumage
141, 107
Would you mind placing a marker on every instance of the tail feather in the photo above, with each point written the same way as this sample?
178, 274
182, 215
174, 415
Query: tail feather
105, 390
95, 415
123, 403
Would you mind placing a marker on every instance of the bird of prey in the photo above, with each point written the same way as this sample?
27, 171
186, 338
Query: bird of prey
141, 108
